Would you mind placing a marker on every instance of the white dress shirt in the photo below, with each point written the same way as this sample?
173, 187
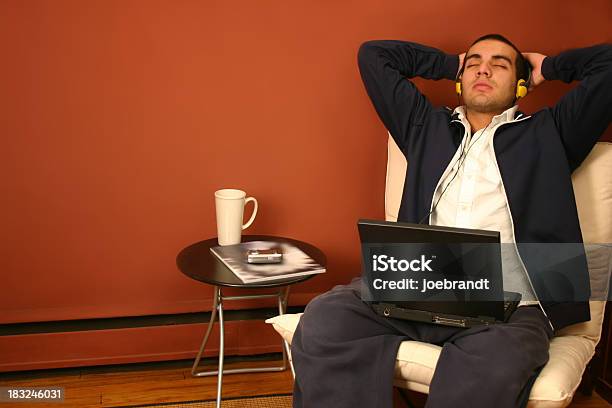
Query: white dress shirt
476, 198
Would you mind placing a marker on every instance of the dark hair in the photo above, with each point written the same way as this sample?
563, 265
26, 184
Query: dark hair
520, 61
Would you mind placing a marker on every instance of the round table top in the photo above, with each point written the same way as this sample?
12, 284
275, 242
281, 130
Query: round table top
197, 262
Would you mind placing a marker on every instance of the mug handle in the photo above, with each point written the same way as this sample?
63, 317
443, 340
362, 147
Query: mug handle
250, 221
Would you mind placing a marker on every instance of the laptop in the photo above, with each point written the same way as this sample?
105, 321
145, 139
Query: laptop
456, 245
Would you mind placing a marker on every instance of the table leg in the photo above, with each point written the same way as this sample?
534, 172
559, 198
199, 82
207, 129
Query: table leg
282, 296
211, 323
221, 349
283, 299
282, 308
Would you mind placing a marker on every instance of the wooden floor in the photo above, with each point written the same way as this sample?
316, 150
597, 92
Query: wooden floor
139, 384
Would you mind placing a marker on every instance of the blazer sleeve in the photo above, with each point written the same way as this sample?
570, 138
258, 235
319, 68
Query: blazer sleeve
584, 113
386, 67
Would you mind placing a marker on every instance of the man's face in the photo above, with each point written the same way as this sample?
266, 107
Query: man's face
488, 82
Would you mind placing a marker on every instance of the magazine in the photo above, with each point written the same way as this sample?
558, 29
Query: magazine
295, 262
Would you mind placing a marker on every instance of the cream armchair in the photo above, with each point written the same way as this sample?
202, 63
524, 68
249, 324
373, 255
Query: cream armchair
573, 347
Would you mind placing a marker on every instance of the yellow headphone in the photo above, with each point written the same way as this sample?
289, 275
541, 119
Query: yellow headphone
521, 89
521, 85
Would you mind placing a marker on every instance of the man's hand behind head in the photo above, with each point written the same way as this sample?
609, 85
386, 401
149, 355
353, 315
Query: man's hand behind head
535, 60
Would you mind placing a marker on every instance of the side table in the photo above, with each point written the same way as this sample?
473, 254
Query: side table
198, 263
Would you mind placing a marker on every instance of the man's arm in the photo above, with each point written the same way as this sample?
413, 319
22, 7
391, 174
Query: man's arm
385, 67
582, 114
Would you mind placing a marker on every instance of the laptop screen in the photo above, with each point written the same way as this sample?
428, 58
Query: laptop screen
406, 263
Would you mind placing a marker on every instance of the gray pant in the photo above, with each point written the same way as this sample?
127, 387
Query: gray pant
344, 356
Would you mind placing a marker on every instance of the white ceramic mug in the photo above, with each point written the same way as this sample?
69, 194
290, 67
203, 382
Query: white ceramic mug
229, 204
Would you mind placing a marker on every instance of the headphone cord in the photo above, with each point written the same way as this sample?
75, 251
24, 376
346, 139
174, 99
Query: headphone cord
460, 163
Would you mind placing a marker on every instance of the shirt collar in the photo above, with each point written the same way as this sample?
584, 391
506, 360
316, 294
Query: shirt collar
505, 116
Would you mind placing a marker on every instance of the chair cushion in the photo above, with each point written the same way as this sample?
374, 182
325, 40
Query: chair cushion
592, 183
285, 324
599, 258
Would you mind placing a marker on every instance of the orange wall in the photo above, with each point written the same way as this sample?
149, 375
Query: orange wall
119, 119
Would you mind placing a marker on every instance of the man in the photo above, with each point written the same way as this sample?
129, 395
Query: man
484, 165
